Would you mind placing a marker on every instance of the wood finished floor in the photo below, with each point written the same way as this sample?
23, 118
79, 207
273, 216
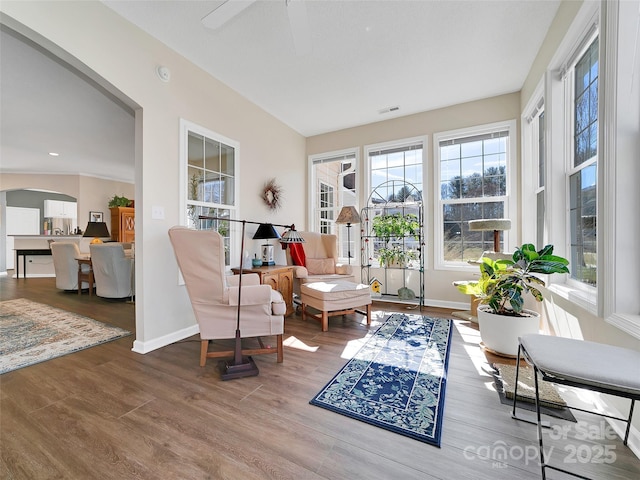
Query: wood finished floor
109, 413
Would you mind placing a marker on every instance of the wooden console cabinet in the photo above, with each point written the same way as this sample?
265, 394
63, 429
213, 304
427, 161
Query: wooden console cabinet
123, 224
279, 277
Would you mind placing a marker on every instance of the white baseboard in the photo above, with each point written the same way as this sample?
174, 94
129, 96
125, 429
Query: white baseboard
154, 344
430, 302
35, 275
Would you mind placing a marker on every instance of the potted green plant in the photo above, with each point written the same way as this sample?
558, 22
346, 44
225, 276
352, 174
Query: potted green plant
397, 225
117, 201
395, 257
501, 290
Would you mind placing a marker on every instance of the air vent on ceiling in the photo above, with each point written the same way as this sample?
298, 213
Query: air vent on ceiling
388, 110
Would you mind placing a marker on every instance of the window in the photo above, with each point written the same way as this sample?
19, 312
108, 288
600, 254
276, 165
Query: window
209, 182
326, 206
582, 175
473, 168
540, 202
402, 163
333, 186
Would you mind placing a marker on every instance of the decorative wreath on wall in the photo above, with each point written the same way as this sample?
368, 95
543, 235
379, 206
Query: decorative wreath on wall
272, 194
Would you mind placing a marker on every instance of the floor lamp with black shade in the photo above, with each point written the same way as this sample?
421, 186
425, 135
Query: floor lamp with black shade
242, 366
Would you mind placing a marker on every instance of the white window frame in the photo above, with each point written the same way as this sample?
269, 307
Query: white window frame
185, 128
616, 299
510, 208
338, 200
331, 192
396, 144
573, 169
559, 90
530, 157
401, 143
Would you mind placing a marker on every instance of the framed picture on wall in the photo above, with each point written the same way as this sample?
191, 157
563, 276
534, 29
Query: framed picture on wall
96, 217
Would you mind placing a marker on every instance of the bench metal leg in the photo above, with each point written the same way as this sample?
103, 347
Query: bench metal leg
543, 463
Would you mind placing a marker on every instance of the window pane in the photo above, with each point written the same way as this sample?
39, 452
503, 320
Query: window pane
541, 152
450, 152
195, 154
540, 218
227, 160
583, 225
586, 106
451, 189
227, 190
479, 173
583, 184
462, 244
334, 180
195, 189
403, 164
212, 155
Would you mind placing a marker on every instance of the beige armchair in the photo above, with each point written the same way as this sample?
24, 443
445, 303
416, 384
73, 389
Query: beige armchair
214, 296
320, 261
66, 266
112, 270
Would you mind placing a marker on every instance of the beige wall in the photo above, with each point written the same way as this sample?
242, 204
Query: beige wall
124, 58
438, 288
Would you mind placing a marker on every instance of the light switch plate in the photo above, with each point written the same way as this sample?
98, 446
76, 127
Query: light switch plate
157, 213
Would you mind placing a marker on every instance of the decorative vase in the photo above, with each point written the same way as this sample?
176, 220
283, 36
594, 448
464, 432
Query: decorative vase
500, 333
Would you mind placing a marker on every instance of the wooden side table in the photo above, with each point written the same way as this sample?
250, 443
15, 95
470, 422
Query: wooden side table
279, 277
85, 276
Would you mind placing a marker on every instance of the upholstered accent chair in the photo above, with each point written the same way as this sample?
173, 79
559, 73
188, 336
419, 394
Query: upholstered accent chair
214, 296
318, 261
112, 270
66, 266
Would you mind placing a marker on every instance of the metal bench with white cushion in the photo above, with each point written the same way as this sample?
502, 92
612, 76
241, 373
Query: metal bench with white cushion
581, 364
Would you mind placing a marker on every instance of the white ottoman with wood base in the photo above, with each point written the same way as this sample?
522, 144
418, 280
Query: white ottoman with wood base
334, 298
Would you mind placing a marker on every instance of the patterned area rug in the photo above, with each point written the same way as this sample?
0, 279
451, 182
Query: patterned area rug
397, 379
31, 332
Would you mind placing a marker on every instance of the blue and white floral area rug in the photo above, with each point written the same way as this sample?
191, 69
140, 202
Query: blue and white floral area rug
31, 332
397, 379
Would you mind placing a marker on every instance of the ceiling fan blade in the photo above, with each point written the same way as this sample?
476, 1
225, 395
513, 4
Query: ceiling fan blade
225, 12
299, 23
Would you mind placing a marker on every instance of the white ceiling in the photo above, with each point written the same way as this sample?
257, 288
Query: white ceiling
366, 56
47, 107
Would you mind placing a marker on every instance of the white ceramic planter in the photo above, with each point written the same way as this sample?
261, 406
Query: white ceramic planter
500, 333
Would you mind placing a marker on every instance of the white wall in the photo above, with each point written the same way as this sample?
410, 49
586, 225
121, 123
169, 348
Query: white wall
124, 59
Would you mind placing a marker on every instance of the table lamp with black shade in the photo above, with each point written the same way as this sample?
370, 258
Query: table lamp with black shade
266, 231
97, 230
348, 215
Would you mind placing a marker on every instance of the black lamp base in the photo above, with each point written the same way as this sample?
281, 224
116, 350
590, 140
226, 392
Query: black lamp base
247, 368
